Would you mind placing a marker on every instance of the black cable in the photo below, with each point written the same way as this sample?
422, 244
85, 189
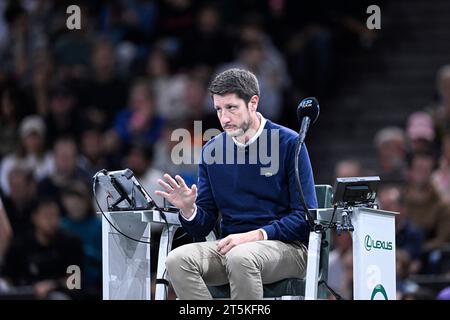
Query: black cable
334, 293
313, 227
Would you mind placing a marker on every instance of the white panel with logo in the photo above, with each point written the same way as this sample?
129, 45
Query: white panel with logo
374, 254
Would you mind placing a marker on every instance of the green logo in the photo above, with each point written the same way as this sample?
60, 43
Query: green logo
379, 289
369, 243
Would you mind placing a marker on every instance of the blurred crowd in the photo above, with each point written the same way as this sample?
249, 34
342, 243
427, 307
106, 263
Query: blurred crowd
414, 167
110, 95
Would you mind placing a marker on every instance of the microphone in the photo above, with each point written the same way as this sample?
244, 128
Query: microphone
307, 114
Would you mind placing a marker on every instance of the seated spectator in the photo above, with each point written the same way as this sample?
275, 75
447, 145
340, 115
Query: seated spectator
253, 55
31, 152
5, 231
18, 204
105, 92
428, 211
391, 151
169, 157
12, 110
420, 133
63, 118
40, 259
66, 169
140, 121
80, 220
348, 168
408, 237
403, 270
339, 277
441, 112
423, 204
92, 151
168, 87
441, 177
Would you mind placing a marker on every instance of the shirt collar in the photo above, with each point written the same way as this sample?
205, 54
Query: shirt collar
257, 134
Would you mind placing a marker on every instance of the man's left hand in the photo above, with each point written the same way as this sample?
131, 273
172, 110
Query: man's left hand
229, 242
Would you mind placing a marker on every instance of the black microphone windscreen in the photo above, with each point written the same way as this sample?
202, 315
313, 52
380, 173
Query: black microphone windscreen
308, 107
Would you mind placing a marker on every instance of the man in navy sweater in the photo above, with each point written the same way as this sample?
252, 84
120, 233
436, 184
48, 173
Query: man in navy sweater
263, 225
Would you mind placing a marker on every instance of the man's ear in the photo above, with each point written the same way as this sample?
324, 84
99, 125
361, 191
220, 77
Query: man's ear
253, 103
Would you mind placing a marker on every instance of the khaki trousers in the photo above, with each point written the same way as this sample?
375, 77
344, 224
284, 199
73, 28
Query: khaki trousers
246, 267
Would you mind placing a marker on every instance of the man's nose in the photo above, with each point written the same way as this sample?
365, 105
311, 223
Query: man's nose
225, 118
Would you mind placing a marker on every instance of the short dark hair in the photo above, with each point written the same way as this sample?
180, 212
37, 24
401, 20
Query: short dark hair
241, 82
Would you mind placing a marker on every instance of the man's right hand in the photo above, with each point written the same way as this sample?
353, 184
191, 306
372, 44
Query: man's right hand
178, 194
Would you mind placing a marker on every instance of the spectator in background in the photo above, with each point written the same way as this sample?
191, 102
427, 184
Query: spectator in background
425, 207
5, 232
167, 147
42, 76
342, 243
420, 133
18, 204
348, 168
66, 169
63, 118
176, 19
408, 237
338, 262
92, 152
72, 50
13, 108
253, 56
441, 112
212, 43
140, 122
105, 92
307, 43
80, 220
347, 277
22, 44
168, 88
390, 144
405, 286
196, 100
132, 22
10, 117
40, 259
441, 177
31, 152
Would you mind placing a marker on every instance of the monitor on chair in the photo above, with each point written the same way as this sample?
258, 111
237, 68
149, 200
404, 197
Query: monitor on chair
356, 191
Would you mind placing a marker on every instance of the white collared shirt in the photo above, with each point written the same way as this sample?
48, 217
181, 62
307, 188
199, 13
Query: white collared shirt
257, 134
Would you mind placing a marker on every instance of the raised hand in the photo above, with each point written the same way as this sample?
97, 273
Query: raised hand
178, 193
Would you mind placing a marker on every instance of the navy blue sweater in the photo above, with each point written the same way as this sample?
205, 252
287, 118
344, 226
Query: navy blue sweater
248, 200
